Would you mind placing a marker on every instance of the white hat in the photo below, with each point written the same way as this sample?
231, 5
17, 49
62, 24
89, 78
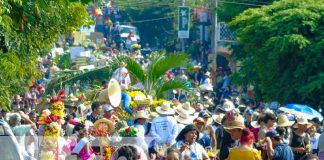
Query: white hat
107, 108
228, 105
165, 108
141, 114
186, 107
112, 94
184, 118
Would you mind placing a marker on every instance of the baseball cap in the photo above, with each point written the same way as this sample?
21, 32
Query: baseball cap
272, 133
315, 120
248, 112
108, 108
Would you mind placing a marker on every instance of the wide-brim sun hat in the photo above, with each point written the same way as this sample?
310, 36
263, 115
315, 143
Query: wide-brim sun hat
141, 114
302, 120
228, 106
184, 118
186, 107
165, 109
233, 121
218, 118
283, 121
110, 124
152, 116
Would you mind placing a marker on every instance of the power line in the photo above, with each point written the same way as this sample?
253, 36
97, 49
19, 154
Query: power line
149, 20
241, 3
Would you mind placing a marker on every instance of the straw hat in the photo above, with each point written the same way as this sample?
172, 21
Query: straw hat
207, 74
302, 120
234, 121
218, 118
141, 114
186, 107
152, 116
165, 108
183, 118
111, 94
283, 121
110, 124
228, 105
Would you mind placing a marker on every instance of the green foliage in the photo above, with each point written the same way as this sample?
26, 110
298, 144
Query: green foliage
152, 77
281, 50
63, 61
28, 30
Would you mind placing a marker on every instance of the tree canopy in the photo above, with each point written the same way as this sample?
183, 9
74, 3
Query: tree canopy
28, 29
281, 49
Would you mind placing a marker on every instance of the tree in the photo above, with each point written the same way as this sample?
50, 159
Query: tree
152, 77
283, 47
28, 30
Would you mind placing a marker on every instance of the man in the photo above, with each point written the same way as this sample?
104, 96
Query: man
317, 123
276, 150
109, 113
164, 128
248, 116
96, 108
269, 120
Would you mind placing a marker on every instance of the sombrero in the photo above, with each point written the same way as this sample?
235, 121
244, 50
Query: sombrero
141, 114
165, 108
302, 120
283, 121
184, 118
110, 124
218, 118
112, 94
186, 108
235, 122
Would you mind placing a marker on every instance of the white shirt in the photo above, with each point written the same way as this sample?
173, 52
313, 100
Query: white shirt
164, 129
314, 141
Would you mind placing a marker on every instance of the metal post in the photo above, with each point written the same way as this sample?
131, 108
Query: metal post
182, 39
215, 34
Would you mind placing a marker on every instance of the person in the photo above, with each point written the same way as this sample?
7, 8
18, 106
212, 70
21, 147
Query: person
269, 119
187, 144
219, 129
20, 130
206, 131
314, 138
310, 157
299, 139
129, 152
96, 108
317, 124
140, 121
248, 116
284, 122
109, 113
172, 154
82, 148
183, 119
245, 151
164, 128
321, 147
276, 150
233, 124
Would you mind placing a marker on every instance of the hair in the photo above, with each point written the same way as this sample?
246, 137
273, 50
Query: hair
95, 105
127, 151
184, 131
269, 116
247, 136
32, 113
281, 130
309, 157
14, 120
170, 150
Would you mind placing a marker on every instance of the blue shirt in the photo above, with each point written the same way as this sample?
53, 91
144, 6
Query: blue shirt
283, 152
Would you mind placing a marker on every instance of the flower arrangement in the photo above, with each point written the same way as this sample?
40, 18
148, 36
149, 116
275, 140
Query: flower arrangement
100, 131
108, 151
57, 109
128, 132
134, 94
47, 155
52, 130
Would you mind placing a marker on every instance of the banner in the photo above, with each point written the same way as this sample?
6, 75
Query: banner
184, 19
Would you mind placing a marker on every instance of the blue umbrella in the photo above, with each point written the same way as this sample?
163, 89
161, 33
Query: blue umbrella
304, 110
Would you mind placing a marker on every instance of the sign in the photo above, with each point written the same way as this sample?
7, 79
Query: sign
184, 19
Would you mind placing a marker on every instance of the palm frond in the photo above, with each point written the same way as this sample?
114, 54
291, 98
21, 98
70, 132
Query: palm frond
168, 62
69, 77
170, 85
133, 67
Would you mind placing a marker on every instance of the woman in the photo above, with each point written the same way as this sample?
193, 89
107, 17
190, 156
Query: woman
187, 144
82, 148
245, 151
206, 131
129, 152
140, 121
299, 139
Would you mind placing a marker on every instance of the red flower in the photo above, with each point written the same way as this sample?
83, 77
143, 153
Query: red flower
127, 130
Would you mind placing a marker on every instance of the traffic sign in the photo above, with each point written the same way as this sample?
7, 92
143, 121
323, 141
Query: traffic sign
184, 19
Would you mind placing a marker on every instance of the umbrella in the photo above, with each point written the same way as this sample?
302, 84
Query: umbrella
301, 110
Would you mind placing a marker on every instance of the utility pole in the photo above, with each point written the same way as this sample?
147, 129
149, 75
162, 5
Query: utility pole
182, 3
215, 36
